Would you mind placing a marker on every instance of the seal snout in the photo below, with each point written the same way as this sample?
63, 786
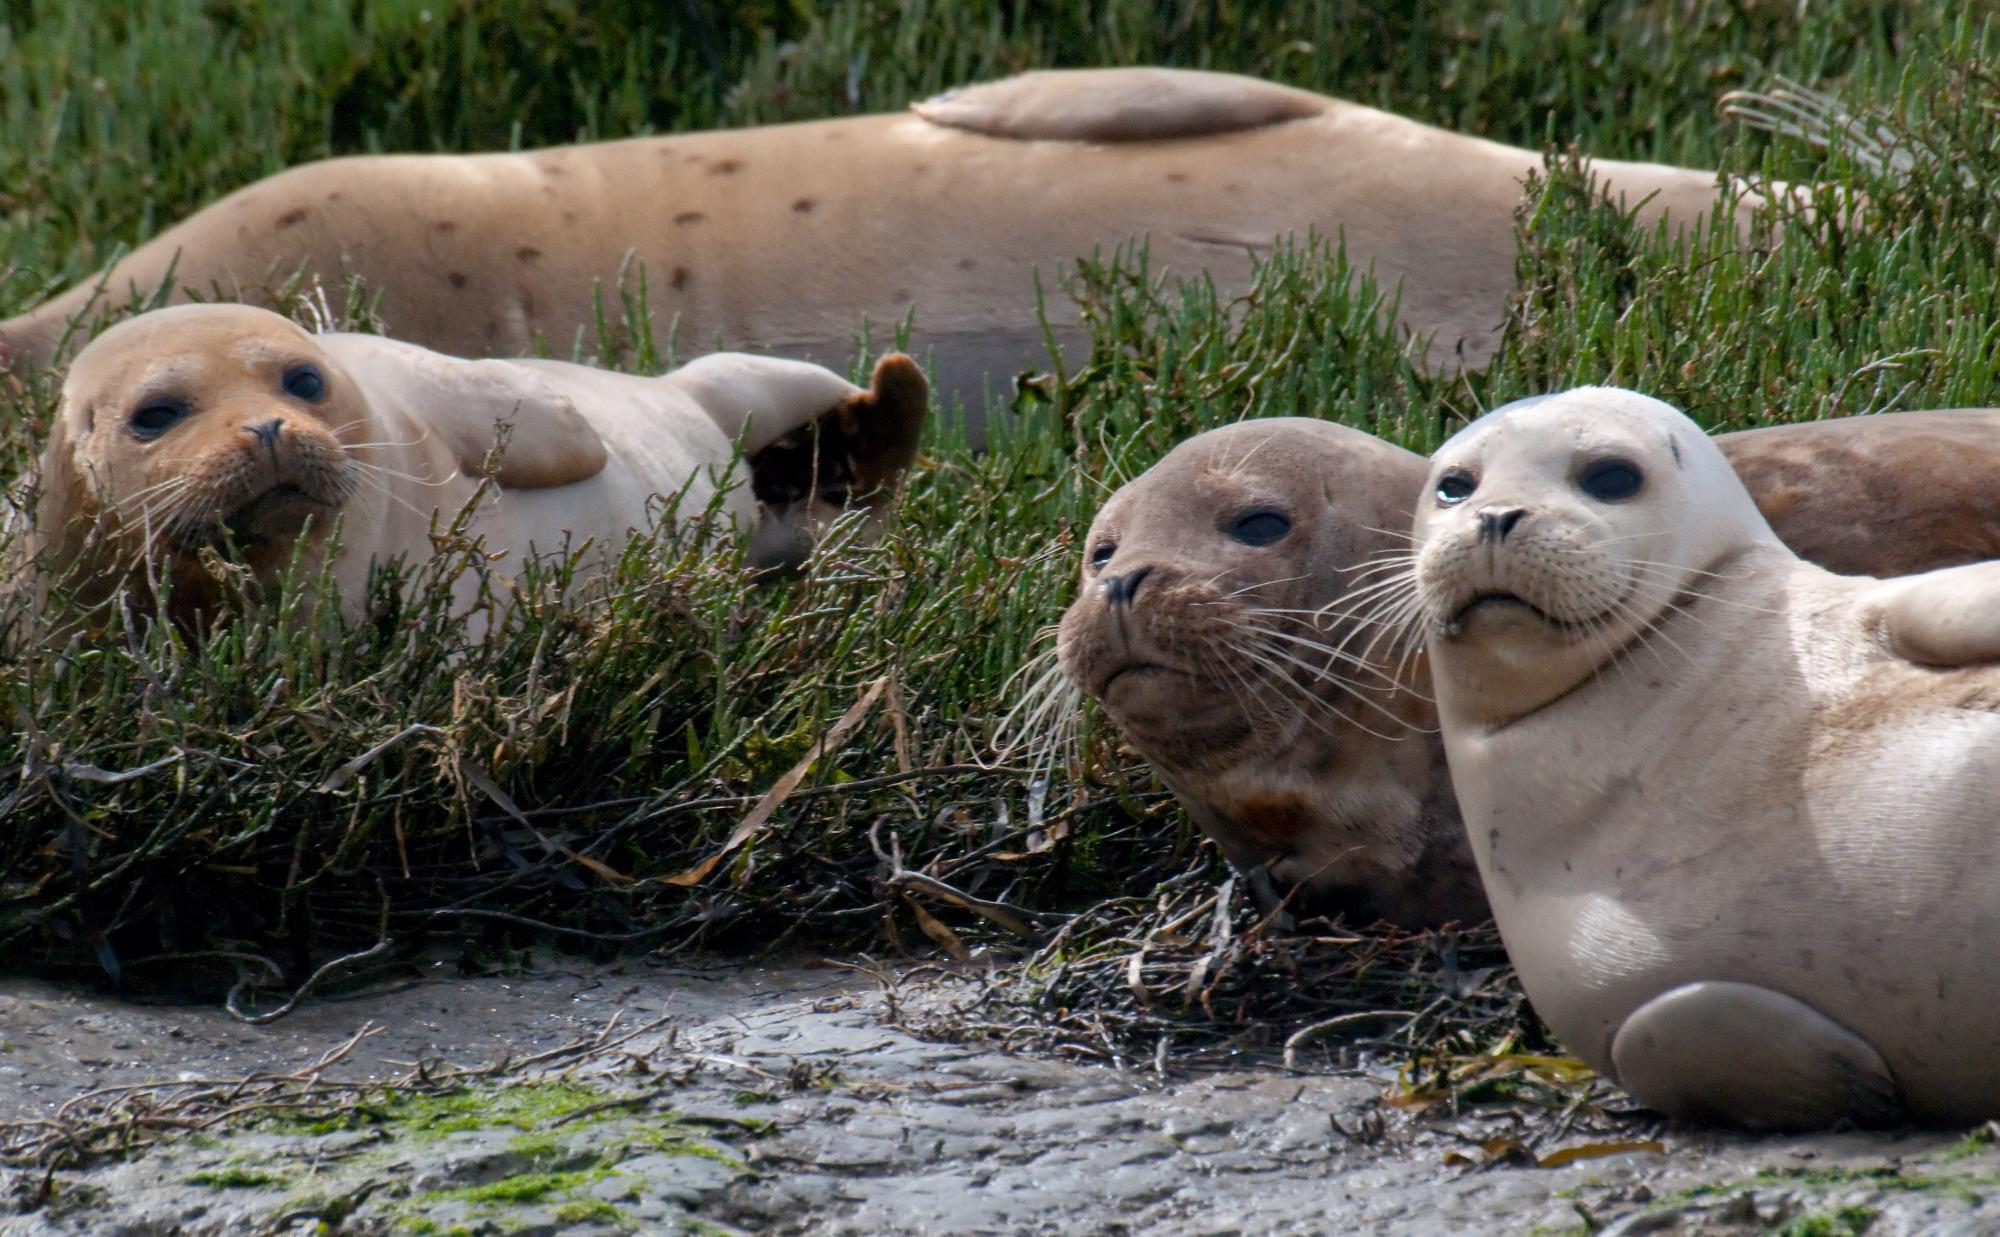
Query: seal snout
1496, 522
266, 432
1121, 591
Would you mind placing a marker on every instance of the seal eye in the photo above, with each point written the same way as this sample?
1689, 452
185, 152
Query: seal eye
1611, 480
304, 382
155, 417
1455, 487
1260, 527
1101, 553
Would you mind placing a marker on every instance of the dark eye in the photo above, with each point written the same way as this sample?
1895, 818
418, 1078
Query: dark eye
1101, 553
1610, 480
304, 382
1260, 527
156, 417
1455, 487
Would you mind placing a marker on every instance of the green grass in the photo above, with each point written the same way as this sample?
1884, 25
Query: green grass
634, 731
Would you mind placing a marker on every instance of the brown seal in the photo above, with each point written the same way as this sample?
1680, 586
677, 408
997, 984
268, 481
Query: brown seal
203, 426
784, 238
1735, 813
1262, 701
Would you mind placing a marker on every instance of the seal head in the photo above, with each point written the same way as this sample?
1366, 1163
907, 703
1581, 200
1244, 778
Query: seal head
1553, 532
1199, 627
216, 423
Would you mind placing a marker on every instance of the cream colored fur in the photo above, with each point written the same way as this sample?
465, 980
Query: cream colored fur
784, 238
1739, 845
398, 443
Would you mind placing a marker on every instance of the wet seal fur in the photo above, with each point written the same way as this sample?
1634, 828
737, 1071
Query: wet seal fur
1316, 777
1735, 813
783, 238
190, 424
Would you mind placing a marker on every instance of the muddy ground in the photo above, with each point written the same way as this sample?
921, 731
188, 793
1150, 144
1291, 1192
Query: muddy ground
796, 1099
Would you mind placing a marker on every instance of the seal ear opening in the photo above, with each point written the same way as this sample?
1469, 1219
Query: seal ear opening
853, 456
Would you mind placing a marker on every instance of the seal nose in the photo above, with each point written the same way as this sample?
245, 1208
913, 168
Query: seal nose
1496, 522
1120, 590
267, 433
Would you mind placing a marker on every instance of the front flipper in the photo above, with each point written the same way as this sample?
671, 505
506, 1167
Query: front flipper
1737, 1053
545, 441
1118, 105
1949, 617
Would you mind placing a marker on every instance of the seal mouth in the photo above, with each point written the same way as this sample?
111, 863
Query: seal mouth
1497, 599
1121, 674
276, 514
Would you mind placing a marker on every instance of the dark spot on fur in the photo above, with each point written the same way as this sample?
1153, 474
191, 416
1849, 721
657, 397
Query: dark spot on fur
834, 135
680, 277
457, 280
901, 294
966, 264
918, 169
1274, 822
290, 218
527, 253
723, 167
1230, 186
804, 206
445, 225
689, 216
1673, 444
334, 196
569, 216
1176, 177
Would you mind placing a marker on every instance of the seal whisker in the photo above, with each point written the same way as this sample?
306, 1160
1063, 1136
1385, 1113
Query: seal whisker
1261, 654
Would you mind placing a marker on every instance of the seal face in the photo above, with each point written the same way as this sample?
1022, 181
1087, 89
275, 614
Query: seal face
226, 426
1200, 628
1732, 810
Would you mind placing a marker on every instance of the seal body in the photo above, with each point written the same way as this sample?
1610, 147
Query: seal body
1312, 773
228, 427
786, 238
1734, 812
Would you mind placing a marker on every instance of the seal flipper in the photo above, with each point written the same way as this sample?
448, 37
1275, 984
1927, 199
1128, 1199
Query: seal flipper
547, 441
1740, 1053
849, 454
1118, 105
1948, 617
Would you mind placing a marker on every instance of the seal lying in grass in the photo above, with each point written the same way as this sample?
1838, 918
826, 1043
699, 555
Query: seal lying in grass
782, 238
1735, 813
223, 425
1223, 623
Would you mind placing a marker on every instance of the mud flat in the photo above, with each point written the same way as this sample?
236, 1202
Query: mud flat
797, 1099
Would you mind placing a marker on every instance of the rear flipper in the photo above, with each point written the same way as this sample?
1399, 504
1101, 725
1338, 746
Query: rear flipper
1746, 1055
852, 455
1949, 617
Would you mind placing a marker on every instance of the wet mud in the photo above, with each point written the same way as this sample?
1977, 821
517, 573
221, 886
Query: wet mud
798, 1099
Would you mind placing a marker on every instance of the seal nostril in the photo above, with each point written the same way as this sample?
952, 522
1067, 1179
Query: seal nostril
1495, 524
1120, 590
267, 433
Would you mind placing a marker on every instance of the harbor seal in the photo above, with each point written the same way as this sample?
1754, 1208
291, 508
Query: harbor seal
1308, 751
783, 238
190, 426
1201, 627
1734, 812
